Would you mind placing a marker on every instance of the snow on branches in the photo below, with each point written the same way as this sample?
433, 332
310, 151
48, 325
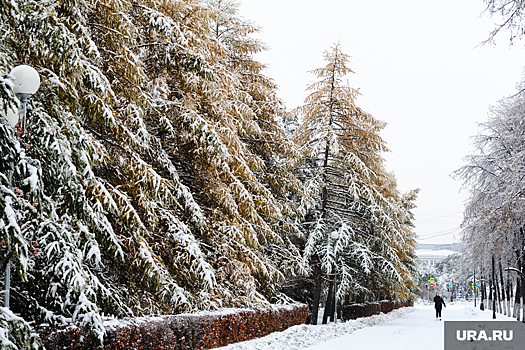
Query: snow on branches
343, 169
155, 177
494, 215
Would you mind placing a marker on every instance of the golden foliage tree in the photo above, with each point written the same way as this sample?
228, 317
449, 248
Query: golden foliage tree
344, 172
162, 178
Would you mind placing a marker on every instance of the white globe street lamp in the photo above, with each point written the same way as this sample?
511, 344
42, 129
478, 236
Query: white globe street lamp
26, 83
27, 80
335, 236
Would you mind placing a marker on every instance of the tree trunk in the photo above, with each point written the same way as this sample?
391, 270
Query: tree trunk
520, 296
502, 283
483, 294
487, 297
522, 284
498, 295
489, 303
509, 292
495, 288
317, 293
516, 300
328, 311
520, 309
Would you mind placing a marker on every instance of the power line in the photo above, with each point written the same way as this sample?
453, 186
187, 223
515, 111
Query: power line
444, 231
440, 234
439, 217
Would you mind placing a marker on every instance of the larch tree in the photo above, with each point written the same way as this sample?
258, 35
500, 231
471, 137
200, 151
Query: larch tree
244, 178
353, 195
154, 177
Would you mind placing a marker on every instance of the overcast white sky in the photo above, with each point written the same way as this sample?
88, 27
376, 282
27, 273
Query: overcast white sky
418, 68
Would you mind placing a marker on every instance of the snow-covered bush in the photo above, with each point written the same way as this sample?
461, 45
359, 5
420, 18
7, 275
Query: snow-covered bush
205, 330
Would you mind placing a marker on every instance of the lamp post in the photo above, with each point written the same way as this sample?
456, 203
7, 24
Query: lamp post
26, 83
515, 270
335, 237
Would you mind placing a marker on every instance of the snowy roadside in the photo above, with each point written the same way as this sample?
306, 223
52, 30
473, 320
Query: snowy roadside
303, 336
418, 329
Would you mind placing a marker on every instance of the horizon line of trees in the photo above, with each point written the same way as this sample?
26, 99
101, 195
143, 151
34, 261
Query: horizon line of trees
160, 172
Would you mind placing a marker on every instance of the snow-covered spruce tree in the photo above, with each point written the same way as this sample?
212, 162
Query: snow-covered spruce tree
343, 170
160, 178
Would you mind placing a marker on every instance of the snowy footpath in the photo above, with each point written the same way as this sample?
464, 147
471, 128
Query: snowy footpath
406, 328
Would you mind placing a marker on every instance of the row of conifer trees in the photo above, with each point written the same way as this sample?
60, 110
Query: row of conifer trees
161, 173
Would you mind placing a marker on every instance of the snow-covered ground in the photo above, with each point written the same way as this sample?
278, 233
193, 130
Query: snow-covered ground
401, 329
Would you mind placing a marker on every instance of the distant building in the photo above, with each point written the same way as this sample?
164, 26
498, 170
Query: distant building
430, 254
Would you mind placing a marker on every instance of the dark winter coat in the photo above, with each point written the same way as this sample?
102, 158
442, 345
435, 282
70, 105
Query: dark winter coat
438, 301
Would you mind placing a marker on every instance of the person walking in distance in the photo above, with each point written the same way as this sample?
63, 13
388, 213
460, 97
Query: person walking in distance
438, 303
